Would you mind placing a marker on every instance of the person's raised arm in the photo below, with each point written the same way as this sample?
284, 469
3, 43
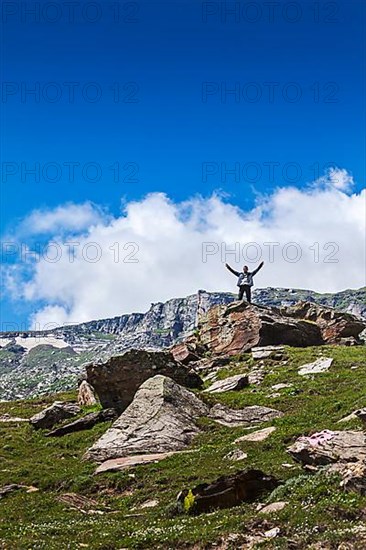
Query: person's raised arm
258, 268
232, 270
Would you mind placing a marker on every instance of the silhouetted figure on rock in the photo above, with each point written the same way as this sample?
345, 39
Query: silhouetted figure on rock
245, 280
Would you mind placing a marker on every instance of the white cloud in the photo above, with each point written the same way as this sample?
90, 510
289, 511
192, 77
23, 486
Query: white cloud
336, 178
167, 240
68, 217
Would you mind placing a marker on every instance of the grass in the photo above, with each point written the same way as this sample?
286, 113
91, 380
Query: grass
318, 510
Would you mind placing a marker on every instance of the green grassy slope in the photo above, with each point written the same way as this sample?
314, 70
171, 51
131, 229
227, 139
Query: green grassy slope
318, 509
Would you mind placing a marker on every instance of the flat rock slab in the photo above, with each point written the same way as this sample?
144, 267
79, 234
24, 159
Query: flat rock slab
329, 446
53, 414
242, 417
161, 418
123, 463
281, 386
147, 504
272, 508
259, 435
8, 418
232, 383
84, 423
266, 351
320, 365
226, 491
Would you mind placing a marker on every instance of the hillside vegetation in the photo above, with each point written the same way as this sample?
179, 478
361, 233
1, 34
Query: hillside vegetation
319, 513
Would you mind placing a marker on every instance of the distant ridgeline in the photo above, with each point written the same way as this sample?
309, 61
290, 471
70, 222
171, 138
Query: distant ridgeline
32, 363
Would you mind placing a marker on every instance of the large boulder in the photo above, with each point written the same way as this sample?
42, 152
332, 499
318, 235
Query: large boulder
161, 418
54, 414
117, 380
335, 326
226, 492
184, 353
237, 328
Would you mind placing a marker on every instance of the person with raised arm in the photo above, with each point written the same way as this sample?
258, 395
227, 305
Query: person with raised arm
245, 281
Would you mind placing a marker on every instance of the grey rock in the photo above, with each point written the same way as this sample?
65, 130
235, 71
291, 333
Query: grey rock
259, 435
329, 446
320, 365
247, 416
161, 418
232, 383
125, 462
53, 414
273, 507
236, 455
117, 380
281, 386
9, 419
85, 422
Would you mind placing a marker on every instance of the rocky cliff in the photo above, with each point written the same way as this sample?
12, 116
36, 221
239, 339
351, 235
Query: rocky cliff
32, 363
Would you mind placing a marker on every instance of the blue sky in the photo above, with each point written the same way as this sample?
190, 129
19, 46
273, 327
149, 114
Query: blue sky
168, 121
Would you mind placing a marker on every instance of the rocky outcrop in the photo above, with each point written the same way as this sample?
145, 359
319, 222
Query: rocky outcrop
86, 395
226, 492
54, 414
340, 452
161, 418
335, 327
117, 380
25, 373
328, 446
240, 326
254, 414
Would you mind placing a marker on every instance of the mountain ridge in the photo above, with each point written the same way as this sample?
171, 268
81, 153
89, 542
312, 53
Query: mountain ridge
36, 362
